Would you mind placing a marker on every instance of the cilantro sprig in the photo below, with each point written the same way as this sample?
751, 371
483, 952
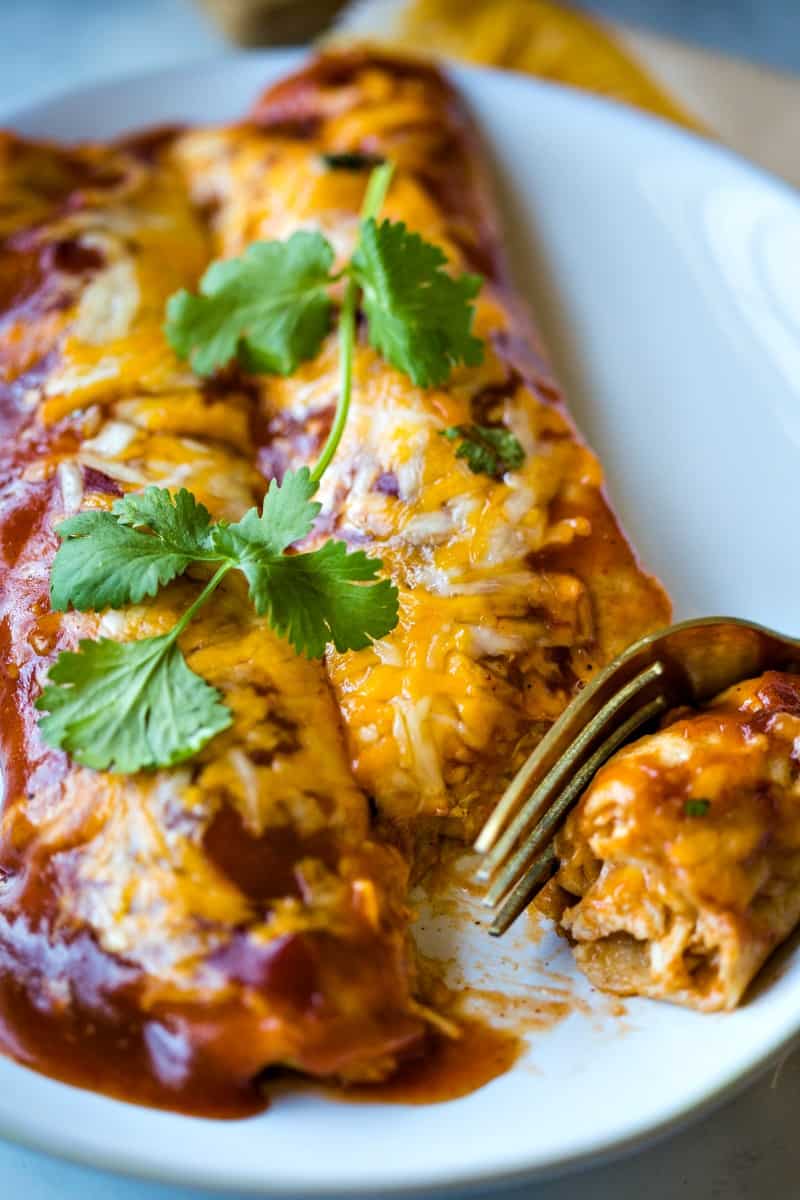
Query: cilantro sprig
132, 705
119, 557
271, 309
128, 706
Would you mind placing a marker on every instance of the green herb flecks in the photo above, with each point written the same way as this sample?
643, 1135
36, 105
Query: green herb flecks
696, 808
487, 449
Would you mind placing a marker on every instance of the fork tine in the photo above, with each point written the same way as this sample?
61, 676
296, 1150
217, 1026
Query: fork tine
536, 875
566, 798
554, 778
527, 885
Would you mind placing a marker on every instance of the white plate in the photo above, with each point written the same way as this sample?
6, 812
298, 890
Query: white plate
666, 276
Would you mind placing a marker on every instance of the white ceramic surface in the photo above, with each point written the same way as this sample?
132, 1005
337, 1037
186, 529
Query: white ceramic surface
664, 272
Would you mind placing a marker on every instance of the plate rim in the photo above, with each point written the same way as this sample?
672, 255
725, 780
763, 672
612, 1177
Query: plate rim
702, 1100
472, 1183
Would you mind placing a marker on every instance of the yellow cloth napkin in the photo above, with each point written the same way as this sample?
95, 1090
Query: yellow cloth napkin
543, 38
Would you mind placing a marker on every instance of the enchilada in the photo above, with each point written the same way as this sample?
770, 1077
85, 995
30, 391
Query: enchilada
167, 935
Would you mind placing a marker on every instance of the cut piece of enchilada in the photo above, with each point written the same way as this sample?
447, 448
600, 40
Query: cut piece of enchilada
166, 935
513, 589
680, 867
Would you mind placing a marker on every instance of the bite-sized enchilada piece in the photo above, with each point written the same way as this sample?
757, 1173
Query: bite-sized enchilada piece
514, 585
680, 867
164, 935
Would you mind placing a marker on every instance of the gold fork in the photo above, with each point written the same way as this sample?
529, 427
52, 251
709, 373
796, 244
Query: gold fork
683, 664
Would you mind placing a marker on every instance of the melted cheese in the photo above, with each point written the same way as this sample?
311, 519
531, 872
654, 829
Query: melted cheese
151, 245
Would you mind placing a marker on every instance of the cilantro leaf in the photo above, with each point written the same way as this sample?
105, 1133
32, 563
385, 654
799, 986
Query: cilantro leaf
488, 450
696, 808
178, 519
287, 515
104, 561
128, 706
420, 318
316, 598
270, 308
313, 598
